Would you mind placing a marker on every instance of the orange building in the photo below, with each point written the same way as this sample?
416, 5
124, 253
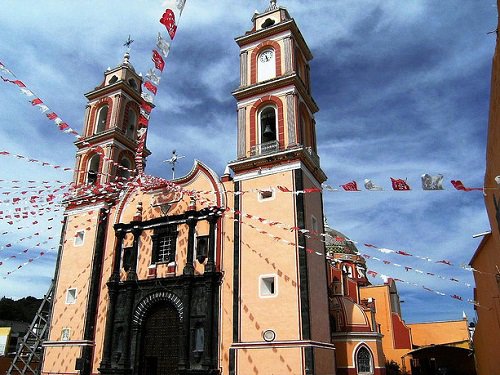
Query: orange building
396, 340
441, 347
355, 330
487, 256
174, 277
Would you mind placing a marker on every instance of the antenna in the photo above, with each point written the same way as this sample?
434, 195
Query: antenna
172, 161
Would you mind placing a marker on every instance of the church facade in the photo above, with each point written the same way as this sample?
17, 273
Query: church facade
209, 274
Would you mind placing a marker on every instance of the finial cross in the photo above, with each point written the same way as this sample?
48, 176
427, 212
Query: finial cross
128, 42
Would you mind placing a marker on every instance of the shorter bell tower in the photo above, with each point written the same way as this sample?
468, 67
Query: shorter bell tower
107, 148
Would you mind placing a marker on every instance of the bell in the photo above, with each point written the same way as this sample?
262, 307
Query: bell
268, 132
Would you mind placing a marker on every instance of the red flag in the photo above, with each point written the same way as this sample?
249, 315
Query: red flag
447, 262
151, 87
36, 101
456, 297
51, 116
400, 252
146, 106
350, 186
158, 60
63, 126
370, 245
312, 190
143, 121
16, 82
399, 184
168, 20
372, 273
457, 184
284, 189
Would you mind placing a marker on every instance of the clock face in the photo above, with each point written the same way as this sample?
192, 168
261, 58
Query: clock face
266, 56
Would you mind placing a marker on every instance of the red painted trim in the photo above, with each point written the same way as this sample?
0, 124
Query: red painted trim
253, 118
95, 108
402, 339
255, 53
84, 162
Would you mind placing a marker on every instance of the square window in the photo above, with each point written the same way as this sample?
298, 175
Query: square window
268, 286
71, 296
164, 245
79, 237
65, 334
266, 194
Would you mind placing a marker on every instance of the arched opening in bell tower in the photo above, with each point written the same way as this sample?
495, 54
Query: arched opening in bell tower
102, 116
93, 169
131, 124
267, 119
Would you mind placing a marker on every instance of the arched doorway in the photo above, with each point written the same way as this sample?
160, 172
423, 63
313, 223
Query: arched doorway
159, 354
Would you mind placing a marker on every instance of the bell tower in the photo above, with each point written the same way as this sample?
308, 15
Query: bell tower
280, 299
275, 106
106, 150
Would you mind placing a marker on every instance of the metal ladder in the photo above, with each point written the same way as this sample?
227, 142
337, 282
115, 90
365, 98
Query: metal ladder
28, 359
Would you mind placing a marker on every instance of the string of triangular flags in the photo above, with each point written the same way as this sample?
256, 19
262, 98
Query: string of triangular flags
169, 20
429, 182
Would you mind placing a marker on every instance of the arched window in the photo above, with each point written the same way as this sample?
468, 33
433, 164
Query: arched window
102, 116
132, 83
267, 119
266, 65
131, 122
124, 171
364, 361
93, 169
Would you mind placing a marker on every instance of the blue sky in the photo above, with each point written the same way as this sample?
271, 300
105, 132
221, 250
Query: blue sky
403, 90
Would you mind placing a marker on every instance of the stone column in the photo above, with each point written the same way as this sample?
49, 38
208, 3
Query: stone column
241, 152
210, 266
291, 110
132, 274
244, 68
189, 268
288, 55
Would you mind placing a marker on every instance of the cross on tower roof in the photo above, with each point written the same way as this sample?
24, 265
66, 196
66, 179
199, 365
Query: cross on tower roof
128, 42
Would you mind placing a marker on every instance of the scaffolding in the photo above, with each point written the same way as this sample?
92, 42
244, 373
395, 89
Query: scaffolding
28, 359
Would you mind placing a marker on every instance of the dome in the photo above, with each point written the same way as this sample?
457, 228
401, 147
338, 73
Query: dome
351, 317
336, 242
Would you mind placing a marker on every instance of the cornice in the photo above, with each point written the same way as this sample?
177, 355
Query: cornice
263, 88
267, 32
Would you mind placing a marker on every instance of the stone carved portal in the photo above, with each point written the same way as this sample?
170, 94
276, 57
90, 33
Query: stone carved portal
159, 351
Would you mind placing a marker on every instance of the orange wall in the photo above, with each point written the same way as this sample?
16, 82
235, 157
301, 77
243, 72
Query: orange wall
487, 334
439, 332
396, 340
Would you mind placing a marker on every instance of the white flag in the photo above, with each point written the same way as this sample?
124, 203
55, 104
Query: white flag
369, 185
432, 182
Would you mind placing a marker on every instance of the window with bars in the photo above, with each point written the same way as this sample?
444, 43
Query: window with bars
363, 361
164, 245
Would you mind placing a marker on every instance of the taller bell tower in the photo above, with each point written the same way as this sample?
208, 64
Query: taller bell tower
279, 283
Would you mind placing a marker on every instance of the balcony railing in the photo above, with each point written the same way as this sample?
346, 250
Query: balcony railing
265, 148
